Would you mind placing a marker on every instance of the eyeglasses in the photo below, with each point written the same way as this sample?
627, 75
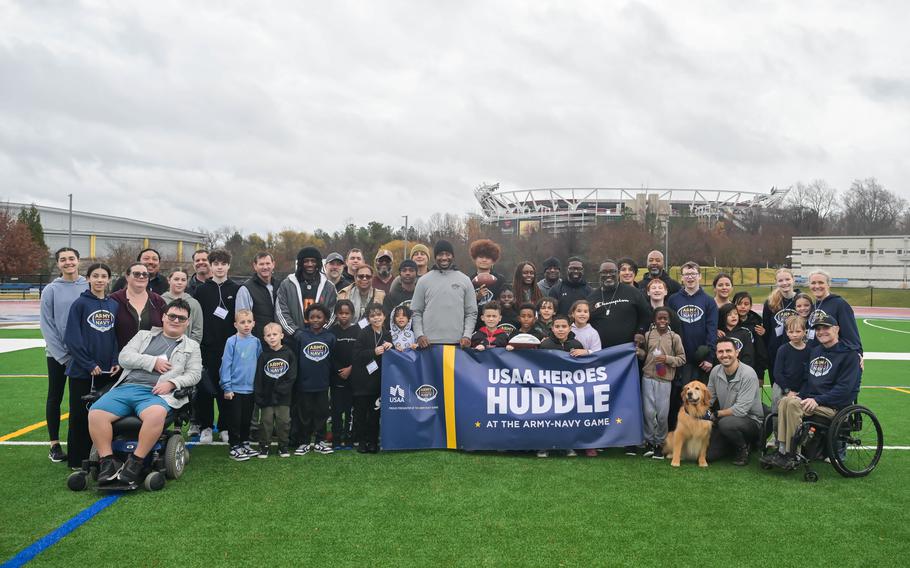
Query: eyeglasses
140, 275
690, 275
364, 276
176, 318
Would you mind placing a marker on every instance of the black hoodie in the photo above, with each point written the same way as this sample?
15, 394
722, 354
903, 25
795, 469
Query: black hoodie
276, 372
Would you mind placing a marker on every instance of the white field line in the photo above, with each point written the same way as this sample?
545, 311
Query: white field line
866, 321
7, 345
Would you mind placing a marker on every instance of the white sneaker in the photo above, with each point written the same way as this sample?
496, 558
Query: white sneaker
543, 454
249, 450
192, 431
323, 448
571, 454
205, 436
303, 449
237, 454
224, 436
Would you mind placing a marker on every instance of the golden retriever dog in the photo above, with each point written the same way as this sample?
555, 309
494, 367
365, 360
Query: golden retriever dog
690, 439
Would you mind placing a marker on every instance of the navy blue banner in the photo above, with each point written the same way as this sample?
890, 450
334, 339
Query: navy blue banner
445, 397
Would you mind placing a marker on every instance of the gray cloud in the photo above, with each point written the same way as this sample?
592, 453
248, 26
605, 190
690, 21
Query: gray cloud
302, 116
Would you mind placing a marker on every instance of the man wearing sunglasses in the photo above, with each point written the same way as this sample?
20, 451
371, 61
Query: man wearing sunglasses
155, 363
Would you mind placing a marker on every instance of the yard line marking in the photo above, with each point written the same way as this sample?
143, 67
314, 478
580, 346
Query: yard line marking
866, 321
898, 389
50, 539
23, 376
10, 345
885, 356
28, 429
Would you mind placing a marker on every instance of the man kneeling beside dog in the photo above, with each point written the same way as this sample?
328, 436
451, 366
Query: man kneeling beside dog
707, 436
155, 363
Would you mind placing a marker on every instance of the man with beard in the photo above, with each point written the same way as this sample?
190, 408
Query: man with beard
257, 294
382, 280
203, 271
552, 275
444, 302
152, 261
656, 271
618, 310
334, 265
572, 288
402, 288
306, 286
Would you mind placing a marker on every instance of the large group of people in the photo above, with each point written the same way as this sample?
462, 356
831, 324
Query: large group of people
280, 359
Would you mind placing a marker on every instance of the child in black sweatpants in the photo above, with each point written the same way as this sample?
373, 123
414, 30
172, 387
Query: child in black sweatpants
346, 334
366, 379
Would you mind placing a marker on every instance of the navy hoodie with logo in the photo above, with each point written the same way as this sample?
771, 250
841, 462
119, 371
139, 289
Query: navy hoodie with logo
833, 375
698, 315
276, 373
314, 359
835, 306
90, 336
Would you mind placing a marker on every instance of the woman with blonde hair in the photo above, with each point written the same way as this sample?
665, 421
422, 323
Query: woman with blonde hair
780, 305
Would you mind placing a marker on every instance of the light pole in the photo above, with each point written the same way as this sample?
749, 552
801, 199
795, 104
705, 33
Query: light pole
405, 237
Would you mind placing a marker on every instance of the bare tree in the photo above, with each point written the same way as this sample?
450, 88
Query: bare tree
811, 206
121, 255
870, 209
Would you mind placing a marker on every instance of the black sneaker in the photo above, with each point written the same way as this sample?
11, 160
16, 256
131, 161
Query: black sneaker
631, 450
649, 451
132, 469
108, 469
658, 453
56, 454
284, 452
742, 456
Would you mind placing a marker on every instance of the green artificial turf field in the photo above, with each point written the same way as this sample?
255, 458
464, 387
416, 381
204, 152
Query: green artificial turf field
455, 508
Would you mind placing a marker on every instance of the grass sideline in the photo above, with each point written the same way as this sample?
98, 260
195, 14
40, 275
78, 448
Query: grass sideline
451, 508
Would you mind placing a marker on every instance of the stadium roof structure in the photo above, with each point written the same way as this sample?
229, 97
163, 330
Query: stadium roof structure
557, 209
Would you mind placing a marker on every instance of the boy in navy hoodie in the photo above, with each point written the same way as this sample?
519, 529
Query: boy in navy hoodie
315, 345
276, 373
697, 313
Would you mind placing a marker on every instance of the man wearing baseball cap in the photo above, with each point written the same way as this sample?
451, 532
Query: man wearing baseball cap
382, 279
334, 267
832, 382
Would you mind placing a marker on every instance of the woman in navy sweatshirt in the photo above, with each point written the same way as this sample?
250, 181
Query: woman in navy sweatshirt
92, 341
832, 305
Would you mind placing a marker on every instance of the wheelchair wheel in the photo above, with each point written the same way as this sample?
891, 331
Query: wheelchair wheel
154, 481
174, 456
855, 441
810, 476
77, 481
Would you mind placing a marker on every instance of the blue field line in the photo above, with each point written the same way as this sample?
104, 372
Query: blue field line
50, 539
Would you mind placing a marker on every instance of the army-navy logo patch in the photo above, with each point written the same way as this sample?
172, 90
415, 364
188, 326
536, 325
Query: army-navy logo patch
690, 313
316, 351
101, 320
820, 366
276, 368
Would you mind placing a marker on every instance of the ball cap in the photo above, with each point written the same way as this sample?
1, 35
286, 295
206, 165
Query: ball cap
384, 253
334, 256
824, 321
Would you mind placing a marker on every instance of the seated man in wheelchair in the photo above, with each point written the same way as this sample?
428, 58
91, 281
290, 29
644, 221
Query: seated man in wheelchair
155, 363
832, 383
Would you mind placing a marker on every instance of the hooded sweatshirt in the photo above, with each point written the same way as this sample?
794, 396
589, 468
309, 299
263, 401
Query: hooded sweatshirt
314, 359
833, 376
444, 306
835, 306
670, 344
292, 300
402, 337
238, 363
698, 314
566, 292
90, 336
56, 299
276, 372
343, 354
569, 344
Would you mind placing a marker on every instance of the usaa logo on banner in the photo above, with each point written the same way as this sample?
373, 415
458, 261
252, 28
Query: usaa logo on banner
397, 395
100, 320
690, 313
276, 368
820, 366
316, 351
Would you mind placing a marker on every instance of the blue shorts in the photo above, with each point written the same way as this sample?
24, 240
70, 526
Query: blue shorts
128, 400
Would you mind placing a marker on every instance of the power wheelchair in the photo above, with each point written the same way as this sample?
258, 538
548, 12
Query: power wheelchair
851, 441
166, 460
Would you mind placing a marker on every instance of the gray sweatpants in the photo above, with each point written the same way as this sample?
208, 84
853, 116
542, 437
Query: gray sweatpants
655, 405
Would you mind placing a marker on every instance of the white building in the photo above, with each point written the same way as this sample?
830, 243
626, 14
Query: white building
855, 262
94, 234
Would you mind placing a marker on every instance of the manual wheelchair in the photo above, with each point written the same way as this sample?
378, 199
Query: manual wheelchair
166, 460
851, 441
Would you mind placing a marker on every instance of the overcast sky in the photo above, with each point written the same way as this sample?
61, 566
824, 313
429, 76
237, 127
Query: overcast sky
312, 114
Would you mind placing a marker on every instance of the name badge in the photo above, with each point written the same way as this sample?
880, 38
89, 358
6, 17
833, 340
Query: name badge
810, 334
372, 367
779, 330
363, 323
220, 312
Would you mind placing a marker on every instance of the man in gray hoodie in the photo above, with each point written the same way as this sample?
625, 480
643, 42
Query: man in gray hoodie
56, 299
444, 302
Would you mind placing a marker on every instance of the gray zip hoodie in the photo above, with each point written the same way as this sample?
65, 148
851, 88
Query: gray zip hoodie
56, 299
444, 306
